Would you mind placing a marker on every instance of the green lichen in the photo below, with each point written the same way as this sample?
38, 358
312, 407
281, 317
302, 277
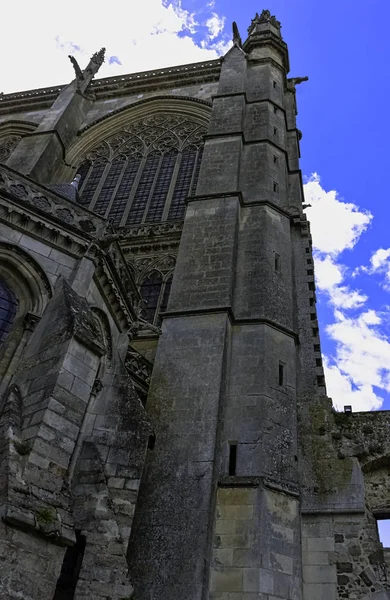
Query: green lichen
45, 517
22, 448
331, 473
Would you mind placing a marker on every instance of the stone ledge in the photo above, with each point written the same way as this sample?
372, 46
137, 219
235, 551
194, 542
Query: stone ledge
258, 481
26, 520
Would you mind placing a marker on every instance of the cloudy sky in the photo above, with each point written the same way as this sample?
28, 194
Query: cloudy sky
342, 47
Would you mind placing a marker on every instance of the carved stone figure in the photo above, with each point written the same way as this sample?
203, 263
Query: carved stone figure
84, 78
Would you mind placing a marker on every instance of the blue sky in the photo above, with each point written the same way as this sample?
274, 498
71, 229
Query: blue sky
342, 47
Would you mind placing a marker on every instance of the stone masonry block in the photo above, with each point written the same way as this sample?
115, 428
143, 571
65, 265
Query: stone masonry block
228, 580
324, 544
250, 580
236, 512
315, 558
319, 574
317, 591
266, 581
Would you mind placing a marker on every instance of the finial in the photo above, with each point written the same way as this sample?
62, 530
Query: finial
236, 36
98, 57
76, 181
265, 17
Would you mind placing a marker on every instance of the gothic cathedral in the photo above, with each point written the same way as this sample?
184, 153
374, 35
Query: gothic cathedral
165, 432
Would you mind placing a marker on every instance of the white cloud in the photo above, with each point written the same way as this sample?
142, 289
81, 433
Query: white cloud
379, 264
215, 25
143, 35
360, 364
337, 224
360, 398
380, 258
329, 277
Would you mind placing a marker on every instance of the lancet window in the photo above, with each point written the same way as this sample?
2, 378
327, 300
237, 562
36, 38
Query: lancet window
8, 307
155, 292
144, 173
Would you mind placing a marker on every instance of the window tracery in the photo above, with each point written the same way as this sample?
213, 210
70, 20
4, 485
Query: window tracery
8, 308
144, 173
7, 145
155, 291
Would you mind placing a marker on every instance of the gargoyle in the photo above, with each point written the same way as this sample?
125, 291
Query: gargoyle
77, 70
297, 80
293, 81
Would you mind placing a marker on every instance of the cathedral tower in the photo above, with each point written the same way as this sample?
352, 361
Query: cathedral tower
165, 432
219, 508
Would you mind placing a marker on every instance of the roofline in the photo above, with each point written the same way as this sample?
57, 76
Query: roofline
119, 85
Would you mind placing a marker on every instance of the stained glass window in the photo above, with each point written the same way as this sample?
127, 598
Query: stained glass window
108, 187
124, 189
183, 183
150, 292
156, 207
164, 297
155, 292
93, 180
8, 307
143, 190
144, 173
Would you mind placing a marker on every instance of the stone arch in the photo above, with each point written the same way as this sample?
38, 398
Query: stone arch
164, 264
155, 287
138, 166
110, 124
32, 290
105, 329
11, 132
25, 277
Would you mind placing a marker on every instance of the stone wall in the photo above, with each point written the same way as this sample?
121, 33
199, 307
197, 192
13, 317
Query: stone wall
246, 566
74, 432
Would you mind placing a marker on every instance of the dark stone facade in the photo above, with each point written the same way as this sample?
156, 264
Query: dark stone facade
173, 449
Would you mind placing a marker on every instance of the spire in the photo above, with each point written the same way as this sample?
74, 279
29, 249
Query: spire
265, 17
264, 31
236, 36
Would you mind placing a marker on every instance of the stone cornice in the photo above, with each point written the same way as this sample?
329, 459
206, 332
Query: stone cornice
150, 232
120, 85
28, 194
52, 219
117, 283
173, 97
154, 238
17, 126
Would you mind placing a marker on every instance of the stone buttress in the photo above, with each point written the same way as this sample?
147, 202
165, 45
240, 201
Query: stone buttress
218, 514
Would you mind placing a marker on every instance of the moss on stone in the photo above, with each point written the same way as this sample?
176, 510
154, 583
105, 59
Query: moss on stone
330, 472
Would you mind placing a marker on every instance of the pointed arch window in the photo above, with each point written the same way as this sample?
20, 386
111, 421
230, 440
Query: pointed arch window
8, 308
144, 173
155, 291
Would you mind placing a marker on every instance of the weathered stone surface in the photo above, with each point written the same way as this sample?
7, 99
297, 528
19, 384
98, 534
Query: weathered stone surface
231, 478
